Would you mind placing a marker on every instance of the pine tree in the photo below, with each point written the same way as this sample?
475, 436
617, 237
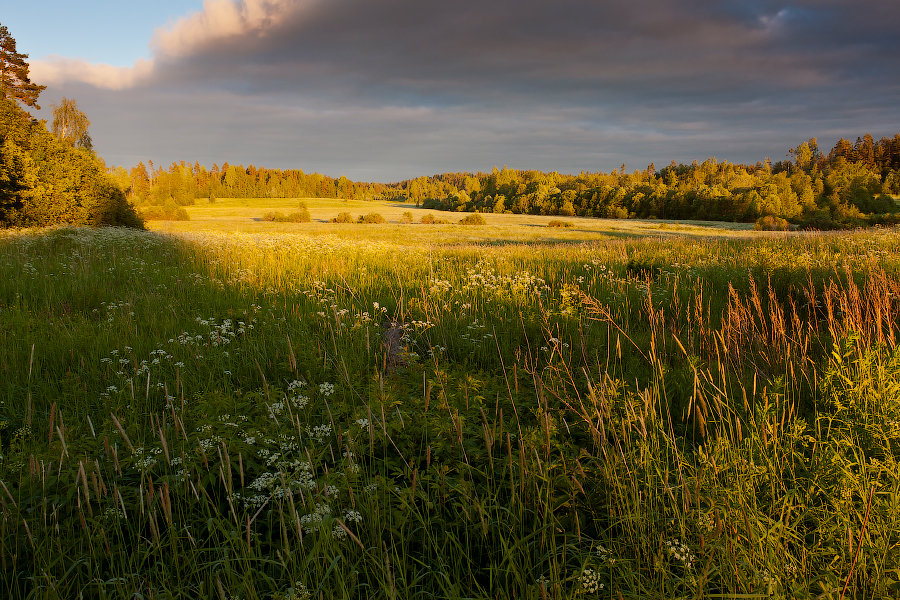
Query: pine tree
14, 81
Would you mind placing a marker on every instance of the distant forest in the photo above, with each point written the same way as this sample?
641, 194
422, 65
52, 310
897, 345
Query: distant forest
854, 184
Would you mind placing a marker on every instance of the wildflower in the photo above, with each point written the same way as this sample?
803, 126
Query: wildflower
319, 432
313, 520
275, 409
353, 516
590, 581
264, 481
680, 552
298, 592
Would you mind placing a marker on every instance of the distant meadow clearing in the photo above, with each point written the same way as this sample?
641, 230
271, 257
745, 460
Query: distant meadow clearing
229, 407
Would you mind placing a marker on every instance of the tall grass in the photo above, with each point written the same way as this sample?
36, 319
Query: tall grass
291, 416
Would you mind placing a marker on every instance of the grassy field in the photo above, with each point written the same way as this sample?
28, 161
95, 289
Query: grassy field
246, 215
232, 408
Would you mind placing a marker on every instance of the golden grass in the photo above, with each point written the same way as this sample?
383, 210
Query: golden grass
245, 215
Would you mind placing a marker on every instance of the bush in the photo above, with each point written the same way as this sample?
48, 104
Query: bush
474, 219
303, 213
406, 217
110, 207
294, 217
558, 223
772, 223
428, 219
168, 212
343, 217
371, 218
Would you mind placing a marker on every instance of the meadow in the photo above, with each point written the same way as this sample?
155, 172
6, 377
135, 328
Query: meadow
233, 408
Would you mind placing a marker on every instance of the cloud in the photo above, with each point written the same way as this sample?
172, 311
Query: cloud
401, 87
58, 71
221, 20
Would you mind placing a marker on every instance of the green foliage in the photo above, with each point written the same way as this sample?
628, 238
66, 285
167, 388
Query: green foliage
188, 182
15, 83
847, 188
300, 416
45, 181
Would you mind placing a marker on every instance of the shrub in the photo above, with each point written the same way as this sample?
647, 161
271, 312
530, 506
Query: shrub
558, 223
406, 217
169, 212
772, 223
294, 217
371, 218
303, 213
343, 217
473, 219
428, 219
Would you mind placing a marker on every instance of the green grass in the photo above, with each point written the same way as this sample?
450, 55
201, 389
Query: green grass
231, 408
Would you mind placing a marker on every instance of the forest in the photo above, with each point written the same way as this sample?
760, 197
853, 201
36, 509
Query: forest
853, 185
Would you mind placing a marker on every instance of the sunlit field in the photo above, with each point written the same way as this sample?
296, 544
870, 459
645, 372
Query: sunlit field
230, 408
247, 215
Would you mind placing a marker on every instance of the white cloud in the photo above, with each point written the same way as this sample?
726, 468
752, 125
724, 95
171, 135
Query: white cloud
58, 70
219, 20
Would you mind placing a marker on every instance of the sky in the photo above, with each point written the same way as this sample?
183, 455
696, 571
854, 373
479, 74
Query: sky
383, 90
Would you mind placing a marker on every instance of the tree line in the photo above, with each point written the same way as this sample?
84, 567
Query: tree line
854, 184
183, 184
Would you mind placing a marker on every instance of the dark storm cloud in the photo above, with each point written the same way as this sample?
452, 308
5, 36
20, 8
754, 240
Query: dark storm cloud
404, 87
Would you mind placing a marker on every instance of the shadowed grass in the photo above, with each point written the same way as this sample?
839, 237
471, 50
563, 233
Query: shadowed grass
218, 415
